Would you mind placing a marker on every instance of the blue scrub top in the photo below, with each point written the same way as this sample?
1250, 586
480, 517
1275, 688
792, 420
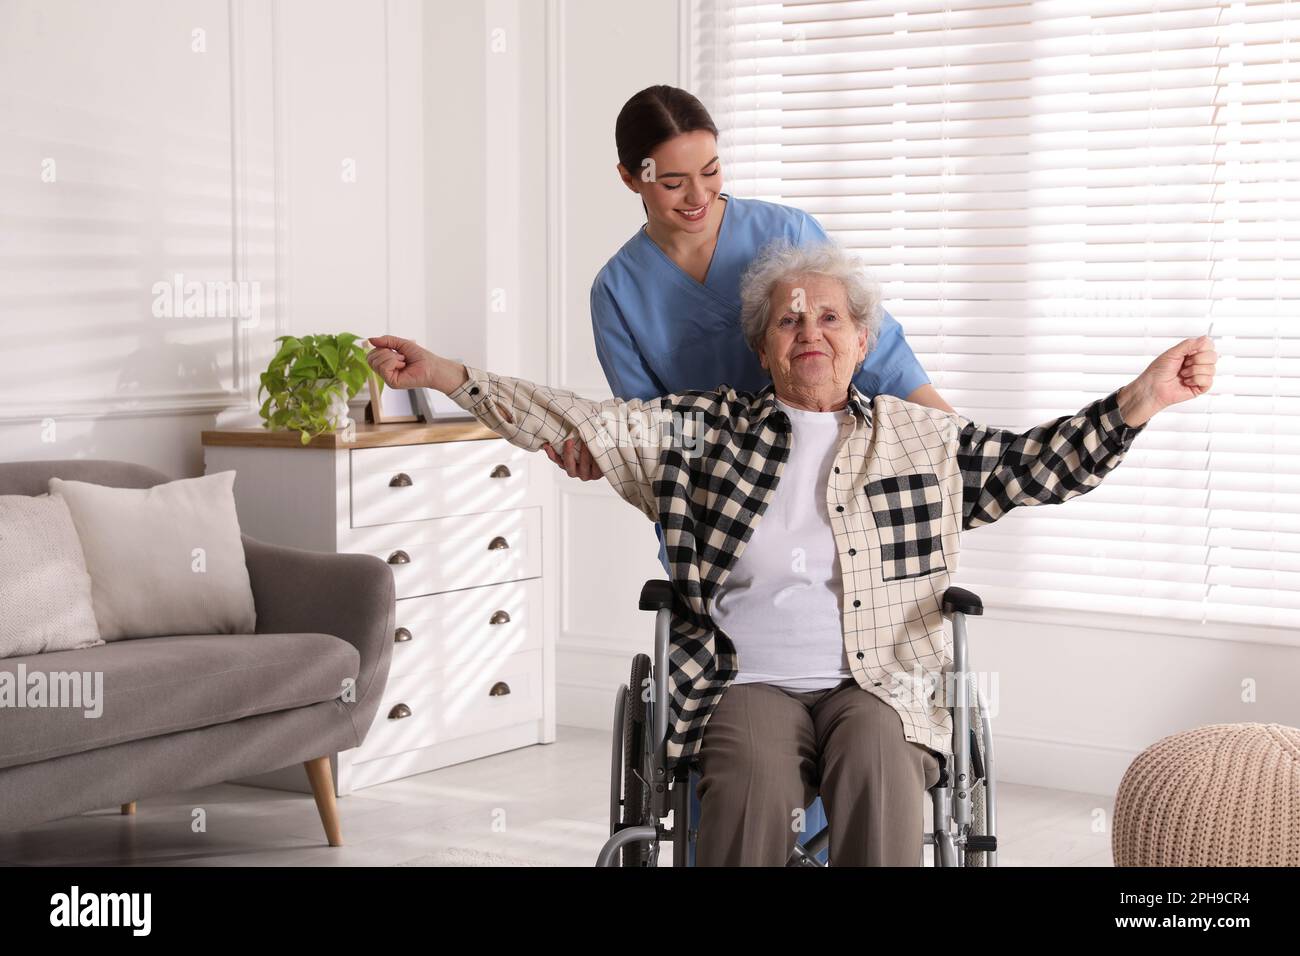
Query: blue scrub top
658, 331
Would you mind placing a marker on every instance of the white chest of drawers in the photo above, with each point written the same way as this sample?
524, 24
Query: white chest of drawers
462, 517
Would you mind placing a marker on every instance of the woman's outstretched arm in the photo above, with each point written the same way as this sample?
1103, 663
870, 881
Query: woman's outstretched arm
626, 438
1055, 461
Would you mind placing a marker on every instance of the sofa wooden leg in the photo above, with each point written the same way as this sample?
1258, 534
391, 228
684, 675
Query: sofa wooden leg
128, 809
322, 786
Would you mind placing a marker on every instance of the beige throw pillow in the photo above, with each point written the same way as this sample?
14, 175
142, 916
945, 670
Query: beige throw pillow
45, 602
163, 560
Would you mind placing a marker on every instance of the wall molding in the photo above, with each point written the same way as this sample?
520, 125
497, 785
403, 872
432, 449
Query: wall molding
281, 260
556, 210
685, 43
579, 642
149, 406
556, 286
244, 72
1144, 626
241, 349
404, 197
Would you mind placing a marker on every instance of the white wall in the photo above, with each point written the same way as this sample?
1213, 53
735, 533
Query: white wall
216, 140
522, 99
602, 53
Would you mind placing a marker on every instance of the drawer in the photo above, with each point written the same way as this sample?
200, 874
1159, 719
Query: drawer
489, 695
392, 734
417, 482
447, 631
484, 695
443, 554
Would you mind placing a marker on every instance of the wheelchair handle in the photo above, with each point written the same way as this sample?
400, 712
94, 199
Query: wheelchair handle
656, 595
961, 601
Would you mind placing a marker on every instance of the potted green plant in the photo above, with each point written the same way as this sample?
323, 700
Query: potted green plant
310, 381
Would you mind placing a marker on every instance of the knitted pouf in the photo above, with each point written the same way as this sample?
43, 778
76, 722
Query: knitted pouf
1219, 795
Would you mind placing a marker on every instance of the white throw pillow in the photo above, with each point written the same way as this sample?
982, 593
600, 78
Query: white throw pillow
45, 602
163, 560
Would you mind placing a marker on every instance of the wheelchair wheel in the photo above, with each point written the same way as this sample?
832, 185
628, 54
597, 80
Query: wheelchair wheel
636, 793
978, 796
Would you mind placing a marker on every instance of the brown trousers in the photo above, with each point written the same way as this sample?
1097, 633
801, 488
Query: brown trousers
768, 752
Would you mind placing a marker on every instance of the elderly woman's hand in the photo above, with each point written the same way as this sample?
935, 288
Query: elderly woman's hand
577, 461
1181, 373
402, 363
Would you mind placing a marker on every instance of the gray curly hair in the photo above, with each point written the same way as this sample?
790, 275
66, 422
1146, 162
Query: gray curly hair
782, 261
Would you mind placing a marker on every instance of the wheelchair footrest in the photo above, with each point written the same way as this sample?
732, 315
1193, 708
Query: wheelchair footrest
980, 842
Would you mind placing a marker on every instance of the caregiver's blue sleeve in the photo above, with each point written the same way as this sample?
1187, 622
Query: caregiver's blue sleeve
812, 231
626, 371
891, 368
896, 370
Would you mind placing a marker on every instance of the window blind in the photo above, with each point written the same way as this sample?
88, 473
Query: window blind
1052, 193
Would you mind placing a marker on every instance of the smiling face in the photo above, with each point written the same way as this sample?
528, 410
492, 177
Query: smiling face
687, 180
812, 346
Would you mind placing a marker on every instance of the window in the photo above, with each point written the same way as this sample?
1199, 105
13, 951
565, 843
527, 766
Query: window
1050, 198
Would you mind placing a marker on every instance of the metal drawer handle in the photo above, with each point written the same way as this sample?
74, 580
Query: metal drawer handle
398, 712
399, 557
401, 635
500, 471
499, 617
497, 543
499, 689
401, 480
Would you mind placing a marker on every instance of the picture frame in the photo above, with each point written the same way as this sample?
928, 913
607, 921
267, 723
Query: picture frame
394, 406
434, 406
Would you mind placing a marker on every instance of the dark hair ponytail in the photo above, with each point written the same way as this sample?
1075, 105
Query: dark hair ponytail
651, 118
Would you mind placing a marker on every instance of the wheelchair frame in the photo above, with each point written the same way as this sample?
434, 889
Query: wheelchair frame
955, 836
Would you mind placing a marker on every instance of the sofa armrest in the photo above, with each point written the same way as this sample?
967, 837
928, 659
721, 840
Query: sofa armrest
351, 596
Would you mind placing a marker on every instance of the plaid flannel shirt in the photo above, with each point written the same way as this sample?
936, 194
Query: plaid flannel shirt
907, 479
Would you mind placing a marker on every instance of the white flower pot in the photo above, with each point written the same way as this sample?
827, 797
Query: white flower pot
337, 413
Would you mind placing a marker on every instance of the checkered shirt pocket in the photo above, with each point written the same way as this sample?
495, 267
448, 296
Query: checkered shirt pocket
908, 510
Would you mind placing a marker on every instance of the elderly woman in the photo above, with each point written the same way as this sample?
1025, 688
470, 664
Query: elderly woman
811, 536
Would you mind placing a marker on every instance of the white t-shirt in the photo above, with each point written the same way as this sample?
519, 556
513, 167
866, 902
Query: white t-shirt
781, 602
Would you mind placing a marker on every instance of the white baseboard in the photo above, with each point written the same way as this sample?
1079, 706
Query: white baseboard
584, 706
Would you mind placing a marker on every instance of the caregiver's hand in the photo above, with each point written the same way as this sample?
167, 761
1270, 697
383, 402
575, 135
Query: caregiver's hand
577, 461
402, 363
1181, 373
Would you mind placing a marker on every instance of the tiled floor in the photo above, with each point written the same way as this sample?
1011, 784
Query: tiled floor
539, 806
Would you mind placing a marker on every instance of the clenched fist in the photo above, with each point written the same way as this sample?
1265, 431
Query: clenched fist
1178, 374
402, 363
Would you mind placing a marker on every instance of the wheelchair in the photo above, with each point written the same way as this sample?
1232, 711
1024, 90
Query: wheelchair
643, 793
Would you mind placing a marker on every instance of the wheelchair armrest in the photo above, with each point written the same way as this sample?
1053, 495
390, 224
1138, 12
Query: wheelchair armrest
957, 601
656, 594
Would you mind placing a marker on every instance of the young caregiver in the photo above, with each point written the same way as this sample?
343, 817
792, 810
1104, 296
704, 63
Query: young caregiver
665, 310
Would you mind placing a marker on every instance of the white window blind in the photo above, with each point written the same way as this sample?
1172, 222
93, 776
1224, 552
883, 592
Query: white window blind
1051, 194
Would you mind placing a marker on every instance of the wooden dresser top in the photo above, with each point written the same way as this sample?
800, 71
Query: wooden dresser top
368, 436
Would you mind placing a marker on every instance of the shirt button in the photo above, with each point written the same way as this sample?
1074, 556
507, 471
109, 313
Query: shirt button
857, 603
837, 470
474, 390
853, 551
839, 507
861, 655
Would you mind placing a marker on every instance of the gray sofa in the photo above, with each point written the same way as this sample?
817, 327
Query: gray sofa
191, 710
